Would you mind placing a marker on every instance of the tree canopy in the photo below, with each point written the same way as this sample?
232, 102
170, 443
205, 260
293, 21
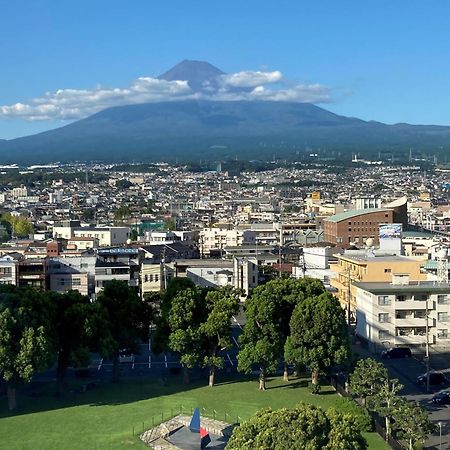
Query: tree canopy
127, 319
319, 335
305, 427
25, 342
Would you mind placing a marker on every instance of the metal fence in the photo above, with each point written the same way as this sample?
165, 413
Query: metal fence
379, 422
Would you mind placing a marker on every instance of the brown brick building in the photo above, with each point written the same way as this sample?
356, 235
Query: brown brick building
356, 226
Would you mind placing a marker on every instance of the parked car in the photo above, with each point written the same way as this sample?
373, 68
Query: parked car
396, 352
125, 356
435, 378
441, 398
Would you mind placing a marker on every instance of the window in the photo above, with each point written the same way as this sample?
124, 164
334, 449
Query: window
442, 317
387, 270
442, 299
383, 317
383, 334
145, 278
420, 297
76, 282
384, 300
400, 298
442, 333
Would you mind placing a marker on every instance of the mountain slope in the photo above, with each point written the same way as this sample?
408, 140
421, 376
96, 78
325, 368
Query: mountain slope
191, 130
200, 75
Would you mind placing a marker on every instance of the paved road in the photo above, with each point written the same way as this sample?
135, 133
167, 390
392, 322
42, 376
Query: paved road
407, 370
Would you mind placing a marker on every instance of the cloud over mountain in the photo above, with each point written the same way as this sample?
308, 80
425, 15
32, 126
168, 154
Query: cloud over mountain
71, 104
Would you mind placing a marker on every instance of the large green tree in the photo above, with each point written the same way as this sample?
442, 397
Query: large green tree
215, 331
73, 324
268, 311
366, 379
127, 320
319, 336
187, 313
305, 427
25, 338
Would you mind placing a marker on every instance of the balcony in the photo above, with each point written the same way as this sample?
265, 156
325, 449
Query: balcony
413, 305
412, 322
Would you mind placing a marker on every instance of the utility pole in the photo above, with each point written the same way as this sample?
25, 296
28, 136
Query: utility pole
349, 294
427, 347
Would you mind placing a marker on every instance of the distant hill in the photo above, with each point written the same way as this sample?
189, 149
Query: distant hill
189, 130
192, 130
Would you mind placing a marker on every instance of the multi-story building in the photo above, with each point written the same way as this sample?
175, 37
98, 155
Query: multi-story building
106, 236
356, 226
403, 312
217, 238
363, 267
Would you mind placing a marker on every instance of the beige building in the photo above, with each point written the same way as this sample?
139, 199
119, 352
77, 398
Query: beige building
403, 312
362, 267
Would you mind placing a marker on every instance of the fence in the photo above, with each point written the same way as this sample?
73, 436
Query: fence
378, 421
156, 419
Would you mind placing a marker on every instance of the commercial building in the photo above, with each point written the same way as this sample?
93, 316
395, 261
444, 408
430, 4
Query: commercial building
356, 226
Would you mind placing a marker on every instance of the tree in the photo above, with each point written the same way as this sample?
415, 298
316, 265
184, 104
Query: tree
261, 342
269, 310
304, 427
123, 184
215, 331
386, 401
73, 316
127, 317
25, 342
319, 337
20, 226
186, 315
367, 378
412, 422
160, 339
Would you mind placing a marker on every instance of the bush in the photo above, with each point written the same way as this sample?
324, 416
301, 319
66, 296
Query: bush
315, 388
362, 416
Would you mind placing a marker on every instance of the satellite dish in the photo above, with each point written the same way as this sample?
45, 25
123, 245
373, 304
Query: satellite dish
129, 241
442, 253
369, 242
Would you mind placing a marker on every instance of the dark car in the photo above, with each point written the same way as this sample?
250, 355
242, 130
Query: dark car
396, 352
442, 398
435, 378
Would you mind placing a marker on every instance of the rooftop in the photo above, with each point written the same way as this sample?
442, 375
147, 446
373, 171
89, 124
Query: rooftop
413, 287
354, 213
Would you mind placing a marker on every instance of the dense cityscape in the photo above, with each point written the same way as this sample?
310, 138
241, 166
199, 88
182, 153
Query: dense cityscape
224, 225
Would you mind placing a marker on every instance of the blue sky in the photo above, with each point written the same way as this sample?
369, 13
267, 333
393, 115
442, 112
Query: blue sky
383, 60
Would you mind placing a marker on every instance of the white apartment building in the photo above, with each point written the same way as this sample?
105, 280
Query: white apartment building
399, 313
220, 238
108, 236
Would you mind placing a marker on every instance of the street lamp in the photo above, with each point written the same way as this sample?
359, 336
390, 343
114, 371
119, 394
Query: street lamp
440, 435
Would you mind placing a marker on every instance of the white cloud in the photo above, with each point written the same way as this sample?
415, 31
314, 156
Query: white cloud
68, 104
305, 93
72, 104
252, 79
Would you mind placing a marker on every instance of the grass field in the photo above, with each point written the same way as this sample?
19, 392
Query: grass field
106, 416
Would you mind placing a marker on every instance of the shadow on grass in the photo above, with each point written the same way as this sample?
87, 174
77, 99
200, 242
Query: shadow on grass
40, 397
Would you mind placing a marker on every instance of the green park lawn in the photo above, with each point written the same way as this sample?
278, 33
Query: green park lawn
107, 416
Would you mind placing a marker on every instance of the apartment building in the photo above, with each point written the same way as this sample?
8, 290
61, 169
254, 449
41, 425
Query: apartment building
403, 312
359, 266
